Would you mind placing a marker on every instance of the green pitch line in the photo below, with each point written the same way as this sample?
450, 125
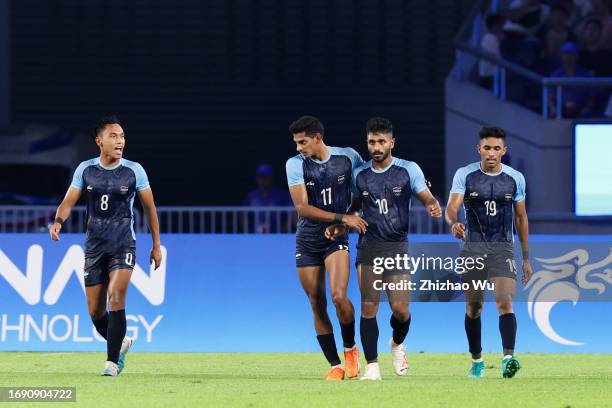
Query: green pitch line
295, 379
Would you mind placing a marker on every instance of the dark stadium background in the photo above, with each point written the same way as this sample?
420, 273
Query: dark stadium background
204, 103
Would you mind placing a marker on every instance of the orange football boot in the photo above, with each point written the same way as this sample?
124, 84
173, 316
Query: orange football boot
335, 374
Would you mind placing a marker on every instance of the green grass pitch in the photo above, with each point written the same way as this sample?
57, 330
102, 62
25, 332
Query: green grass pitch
296, 379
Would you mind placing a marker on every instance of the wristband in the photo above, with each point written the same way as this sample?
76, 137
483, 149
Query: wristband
58, 220
338, 218
526, 255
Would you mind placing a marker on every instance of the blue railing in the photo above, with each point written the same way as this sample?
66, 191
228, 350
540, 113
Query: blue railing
192, 220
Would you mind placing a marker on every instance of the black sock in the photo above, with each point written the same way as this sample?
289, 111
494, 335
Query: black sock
368, 328
116, 332
400, 329
507, 329
101, 325
472, 329
348, 334
328, 345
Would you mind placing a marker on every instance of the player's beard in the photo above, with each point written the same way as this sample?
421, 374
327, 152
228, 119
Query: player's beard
381, 158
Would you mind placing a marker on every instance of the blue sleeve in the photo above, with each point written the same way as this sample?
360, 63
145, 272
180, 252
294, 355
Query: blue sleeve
417, 178
295, 172
520, 188
459, 182
355, 158
142, 182
77, 178
354, 188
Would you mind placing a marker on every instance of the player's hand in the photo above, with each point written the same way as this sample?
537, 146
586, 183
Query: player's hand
458, 230
527, 271
334, 231
54, 231
156, 256
435, 210
356, 222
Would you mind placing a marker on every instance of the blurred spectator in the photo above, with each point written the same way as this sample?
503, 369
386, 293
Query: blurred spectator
265, 195
583, 7
600, 9
524, 20
490, 43
556, 32
593, 55
576, 101
526, 16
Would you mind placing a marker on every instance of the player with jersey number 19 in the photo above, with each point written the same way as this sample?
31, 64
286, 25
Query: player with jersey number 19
110, 183
493, 197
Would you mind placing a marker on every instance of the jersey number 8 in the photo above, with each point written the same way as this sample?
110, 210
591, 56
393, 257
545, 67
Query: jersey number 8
104, 202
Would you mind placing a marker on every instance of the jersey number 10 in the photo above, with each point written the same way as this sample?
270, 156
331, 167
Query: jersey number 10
383, 207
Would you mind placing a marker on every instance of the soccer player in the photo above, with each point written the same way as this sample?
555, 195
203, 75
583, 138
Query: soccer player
385, 186
493, 197
319, 179
110, 183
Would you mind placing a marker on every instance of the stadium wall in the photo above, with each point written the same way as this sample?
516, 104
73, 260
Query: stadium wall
241, 293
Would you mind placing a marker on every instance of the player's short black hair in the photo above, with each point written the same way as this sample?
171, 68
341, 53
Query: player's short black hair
492, 131
308, 124
104, 122
493, 19
379, 125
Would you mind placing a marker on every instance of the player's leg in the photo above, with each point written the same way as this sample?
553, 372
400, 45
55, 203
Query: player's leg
368, 326
312, 279
505, 289
119, 280
400, 321
474, 301
96, 283
337, 265
96, 305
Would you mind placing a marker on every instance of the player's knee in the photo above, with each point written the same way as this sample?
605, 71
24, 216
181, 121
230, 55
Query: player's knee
473, 309
369, 310
317, 302
504, 306
116, 299
400, 311
339, 297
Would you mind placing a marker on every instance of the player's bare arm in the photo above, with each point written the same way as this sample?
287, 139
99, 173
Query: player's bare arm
148, 204
299, 197
430, 203
63, 211
521, 224
455, 201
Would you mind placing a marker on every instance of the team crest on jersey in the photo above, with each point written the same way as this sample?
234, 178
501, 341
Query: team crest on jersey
341, 179
397, 191
124, 189
473, 194
89, 188
508, 197
310, 184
